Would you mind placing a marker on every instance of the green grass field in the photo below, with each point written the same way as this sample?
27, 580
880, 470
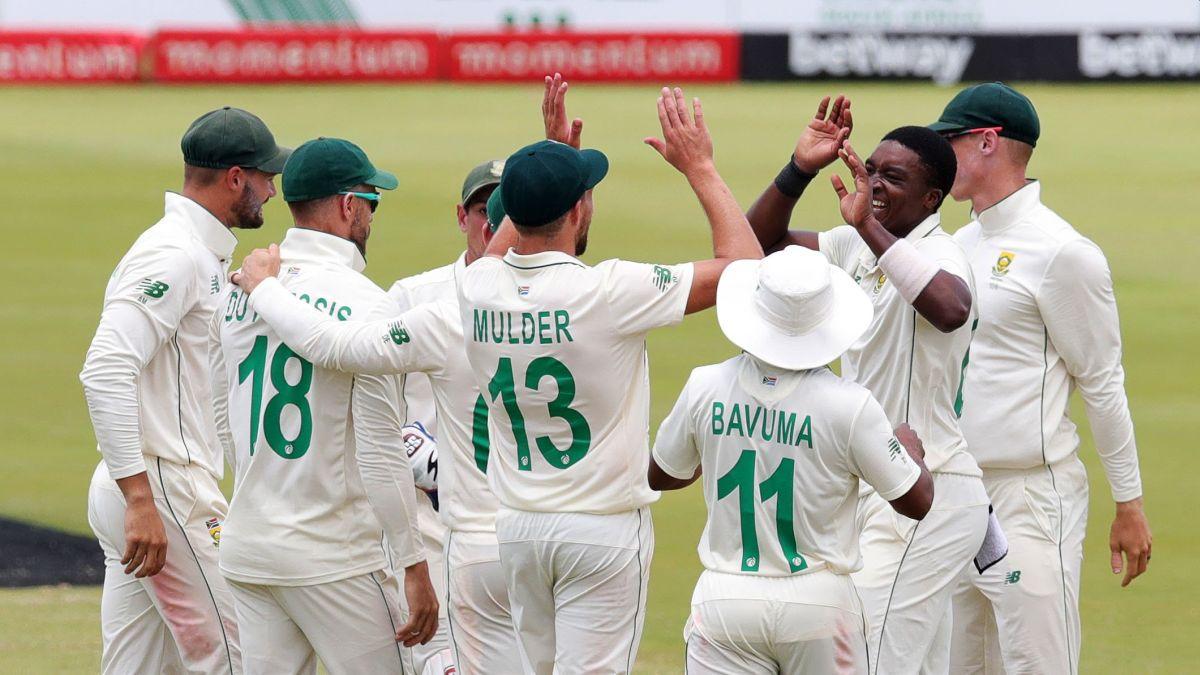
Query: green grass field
83, 172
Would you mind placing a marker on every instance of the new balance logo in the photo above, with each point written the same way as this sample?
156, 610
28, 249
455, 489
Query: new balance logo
1012, 577
398, 334
152, 289
662, 277
894, 449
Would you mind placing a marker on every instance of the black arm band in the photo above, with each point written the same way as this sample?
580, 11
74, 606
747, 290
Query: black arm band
791, 181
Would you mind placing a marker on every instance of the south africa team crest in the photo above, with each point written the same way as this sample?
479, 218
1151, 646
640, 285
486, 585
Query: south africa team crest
1000, 269
214, 530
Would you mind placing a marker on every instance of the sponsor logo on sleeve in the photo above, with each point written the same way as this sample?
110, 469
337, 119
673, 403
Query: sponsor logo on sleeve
214, 285
663, 278
894, 449
397, 333
152, 289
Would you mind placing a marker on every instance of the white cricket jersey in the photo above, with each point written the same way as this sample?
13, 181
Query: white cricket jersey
913, 369
425, 339
300, 513
782, 453
445, 398
1047, 322
146, 374
558, 349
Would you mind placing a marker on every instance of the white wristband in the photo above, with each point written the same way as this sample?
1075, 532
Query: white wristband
909, 271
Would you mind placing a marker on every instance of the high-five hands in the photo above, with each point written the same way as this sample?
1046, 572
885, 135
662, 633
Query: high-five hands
821, 141
686, 143
554, 113
855, 206
259, 265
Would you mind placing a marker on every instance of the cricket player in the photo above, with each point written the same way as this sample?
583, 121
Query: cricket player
1047, 324
782, 444
318, 455
558, 349
483, 623
911, 359
425, 339
154, 501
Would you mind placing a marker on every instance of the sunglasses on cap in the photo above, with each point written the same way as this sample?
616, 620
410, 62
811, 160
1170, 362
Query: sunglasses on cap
371, 197
955, 134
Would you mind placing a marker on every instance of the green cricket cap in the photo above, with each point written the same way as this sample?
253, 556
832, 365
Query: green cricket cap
495, 210
543, 181
231, 137
325, 166
482, 176
992, 104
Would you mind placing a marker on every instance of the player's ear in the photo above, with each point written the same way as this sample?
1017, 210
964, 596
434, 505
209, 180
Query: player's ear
235, 178
931, 199
989, 142
462, 218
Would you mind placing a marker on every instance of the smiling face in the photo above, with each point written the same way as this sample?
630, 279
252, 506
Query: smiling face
902, 191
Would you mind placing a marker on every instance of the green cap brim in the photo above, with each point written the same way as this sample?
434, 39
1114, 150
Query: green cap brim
275, 164
474, 191
943, 127
597, 167
495, 210
383, 180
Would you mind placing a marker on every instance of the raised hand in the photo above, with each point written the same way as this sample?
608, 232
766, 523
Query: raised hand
259, 265
554, 113
855, 206
686, 143
820, 142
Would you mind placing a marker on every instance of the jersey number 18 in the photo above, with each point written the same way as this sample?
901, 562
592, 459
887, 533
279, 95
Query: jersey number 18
254, 366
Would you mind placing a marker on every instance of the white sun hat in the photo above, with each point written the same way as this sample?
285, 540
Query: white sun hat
791, 309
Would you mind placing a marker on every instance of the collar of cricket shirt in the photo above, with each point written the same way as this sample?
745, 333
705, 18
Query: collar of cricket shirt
302, 244
207, 228
868, 258
539, 260
1006, 212
768, 384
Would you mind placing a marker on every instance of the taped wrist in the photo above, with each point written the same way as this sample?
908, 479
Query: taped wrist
909, 271
791, 181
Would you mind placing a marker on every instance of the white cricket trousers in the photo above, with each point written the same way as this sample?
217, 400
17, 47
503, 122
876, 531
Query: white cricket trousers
1024, 618
743, 624
434, 657
577, 586
181, 619
911, 570
481, 624
350, 624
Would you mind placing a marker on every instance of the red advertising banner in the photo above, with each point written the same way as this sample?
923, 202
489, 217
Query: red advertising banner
294, 56
69, 57
654, 57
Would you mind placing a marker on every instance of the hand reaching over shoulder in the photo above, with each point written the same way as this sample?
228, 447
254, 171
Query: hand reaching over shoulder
262, 263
